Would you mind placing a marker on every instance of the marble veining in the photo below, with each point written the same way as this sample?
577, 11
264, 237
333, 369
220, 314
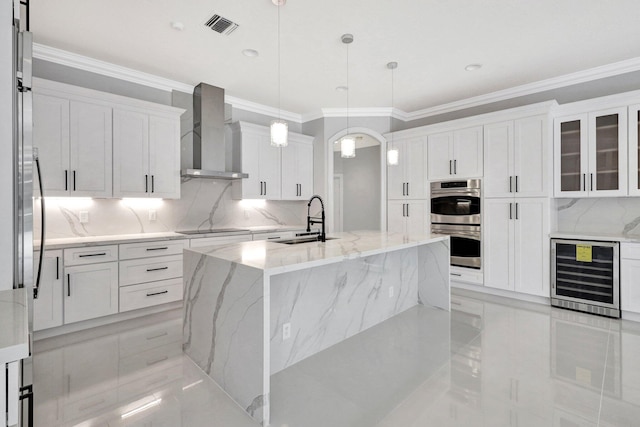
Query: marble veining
617, 216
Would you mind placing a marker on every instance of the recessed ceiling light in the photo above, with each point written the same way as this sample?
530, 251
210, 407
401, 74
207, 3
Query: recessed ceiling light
473, 67
252, 53
177, 25
279, 2
342, 88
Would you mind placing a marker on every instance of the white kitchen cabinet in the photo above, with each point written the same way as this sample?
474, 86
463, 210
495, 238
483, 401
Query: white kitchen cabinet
590, 154
297, 168
408, 217
634, 150
629, 272
516, 158
408, 179
91, 291
146, 154
455, 154
276, 235
516, 245
254, 155
218, 241
74, 145
47, 308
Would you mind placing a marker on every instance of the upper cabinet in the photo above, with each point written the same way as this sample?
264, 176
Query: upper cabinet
516, 158
73, 139
274, 173
408, 179
590, 158
634, 150
456, 154
96, 144
146, 156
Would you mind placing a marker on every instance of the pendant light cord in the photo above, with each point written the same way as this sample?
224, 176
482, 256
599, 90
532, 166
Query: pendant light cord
392, 103
279, 76
348, 89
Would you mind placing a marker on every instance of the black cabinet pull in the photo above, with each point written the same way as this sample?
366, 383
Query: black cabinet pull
584, 182
57, 268
66, 180
88, 255
157, 293
517, 210
74, 180
265, 188
517, 184
158, 249
261, 188
510, 184
450, 167
407, 190
407, 209
591, 179
455, 167
68, 285
146, 183
510, 210
157, 269
153, 185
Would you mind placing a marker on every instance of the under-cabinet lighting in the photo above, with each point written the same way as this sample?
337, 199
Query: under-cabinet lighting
142, 202
141, 408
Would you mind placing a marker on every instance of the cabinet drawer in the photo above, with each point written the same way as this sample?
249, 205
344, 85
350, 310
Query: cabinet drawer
152, 249
463, 275
274, 235
144, 339
630, 251
150, 294
150, 269
90, 255
217, 241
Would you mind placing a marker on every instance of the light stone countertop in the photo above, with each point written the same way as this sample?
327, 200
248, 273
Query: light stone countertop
70, 242
14, 325
595, 236
275, 258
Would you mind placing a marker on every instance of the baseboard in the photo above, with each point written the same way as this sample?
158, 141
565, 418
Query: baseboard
502, 293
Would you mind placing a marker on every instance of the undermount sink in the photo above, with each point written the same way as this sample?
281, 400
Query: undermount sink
301, 240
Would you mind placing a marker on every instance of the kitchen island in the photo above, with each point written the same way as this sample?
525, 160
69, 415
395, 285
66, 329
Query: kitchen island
252, 309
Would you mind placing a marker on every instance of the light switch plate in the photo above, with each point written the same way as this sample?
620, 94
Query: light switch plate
286, 331
152, 215
84, 217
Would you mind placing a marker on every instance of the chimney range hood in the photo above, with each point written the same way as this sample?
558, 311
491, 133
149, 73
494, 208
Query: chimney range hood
210, 153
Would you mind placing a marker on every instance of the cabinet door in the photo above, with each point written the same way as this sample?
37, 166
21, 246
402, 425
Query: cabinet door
91, 150
51, 137
531, 157
417, 217
439, 156
396, 220
270, 170
467, 153
497, 235
251, 187
634, 150
607, 172
570, 155
531, 246
164, 157
396, 174
91, 291
130, 154
305, 170
416, 169
297, 171
498, 160
47, 308
629, 286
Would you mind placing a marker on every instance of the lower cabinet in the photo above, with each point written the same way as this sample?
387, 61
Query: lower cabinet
516, 245
47, 308
91, 291
408, 217
629, 273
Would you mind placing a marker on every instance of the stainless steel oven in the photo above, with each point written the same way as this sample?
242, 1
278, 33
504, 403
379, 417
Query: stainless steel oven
455, 212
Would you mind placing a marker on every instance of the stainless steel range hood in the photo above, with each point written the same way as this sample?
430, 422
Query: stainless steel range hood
211, 156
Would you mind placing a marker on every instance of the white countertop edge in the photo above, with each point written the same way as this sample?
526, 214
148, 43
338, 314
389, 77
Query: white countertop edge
595, 236
14, 336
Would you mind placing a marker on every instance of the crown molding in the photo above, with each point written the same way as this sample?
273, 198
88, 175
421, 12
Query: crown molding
254, 107
578, 77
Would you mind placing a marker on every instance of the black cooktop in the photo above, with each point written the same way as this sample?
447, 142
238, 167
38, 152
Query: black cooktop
212, 231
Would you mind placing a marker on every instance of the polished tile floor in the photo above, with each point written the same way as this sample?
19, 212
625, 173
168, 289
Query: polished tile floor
490, 362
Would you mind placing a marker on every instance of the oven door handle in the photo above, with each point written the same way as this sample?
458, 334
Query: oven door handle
470, 234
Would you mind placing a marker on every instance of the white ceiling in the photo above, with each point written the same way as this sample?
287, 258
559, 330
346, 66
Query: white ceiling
517, 41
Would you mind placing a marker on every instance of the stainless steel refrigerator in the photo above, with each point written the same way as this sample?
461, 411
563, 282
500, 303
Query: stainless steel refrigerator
24, 159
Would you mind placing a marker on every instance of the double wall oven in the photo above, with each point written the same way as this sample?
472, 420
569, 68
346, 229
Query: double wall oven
455, 211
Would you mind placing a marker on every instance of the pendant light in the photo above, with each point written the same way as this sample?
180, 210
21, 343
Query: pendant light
279, 127
347, 144
392, 152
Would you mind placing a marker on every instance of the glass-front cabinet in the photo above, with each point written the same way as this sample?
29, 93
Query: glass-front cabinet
591, 154
634, 150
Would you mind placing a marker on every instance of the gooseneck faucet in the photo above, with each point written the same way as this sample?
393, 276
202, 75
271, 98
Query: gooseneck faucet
316, 220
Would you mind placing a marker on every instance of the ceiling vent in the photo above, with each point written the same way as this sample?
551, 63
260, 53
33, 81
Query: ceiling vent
221, 24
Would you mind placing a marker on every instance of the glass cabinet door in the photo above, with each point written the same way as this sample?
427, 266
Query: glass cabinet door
571, 155
634, 150
607, 161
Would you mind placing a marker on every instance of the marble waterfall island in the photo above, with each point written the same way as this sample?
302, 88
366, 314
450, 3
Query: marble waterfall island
238, 299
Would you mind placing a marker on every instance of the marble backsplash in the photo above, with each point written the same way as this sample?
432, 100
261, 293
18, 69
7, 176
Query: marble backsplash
204, 203
620, 216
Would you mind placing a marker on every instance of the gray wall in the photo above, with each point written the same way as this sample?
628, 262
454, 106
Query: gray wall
361, 208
